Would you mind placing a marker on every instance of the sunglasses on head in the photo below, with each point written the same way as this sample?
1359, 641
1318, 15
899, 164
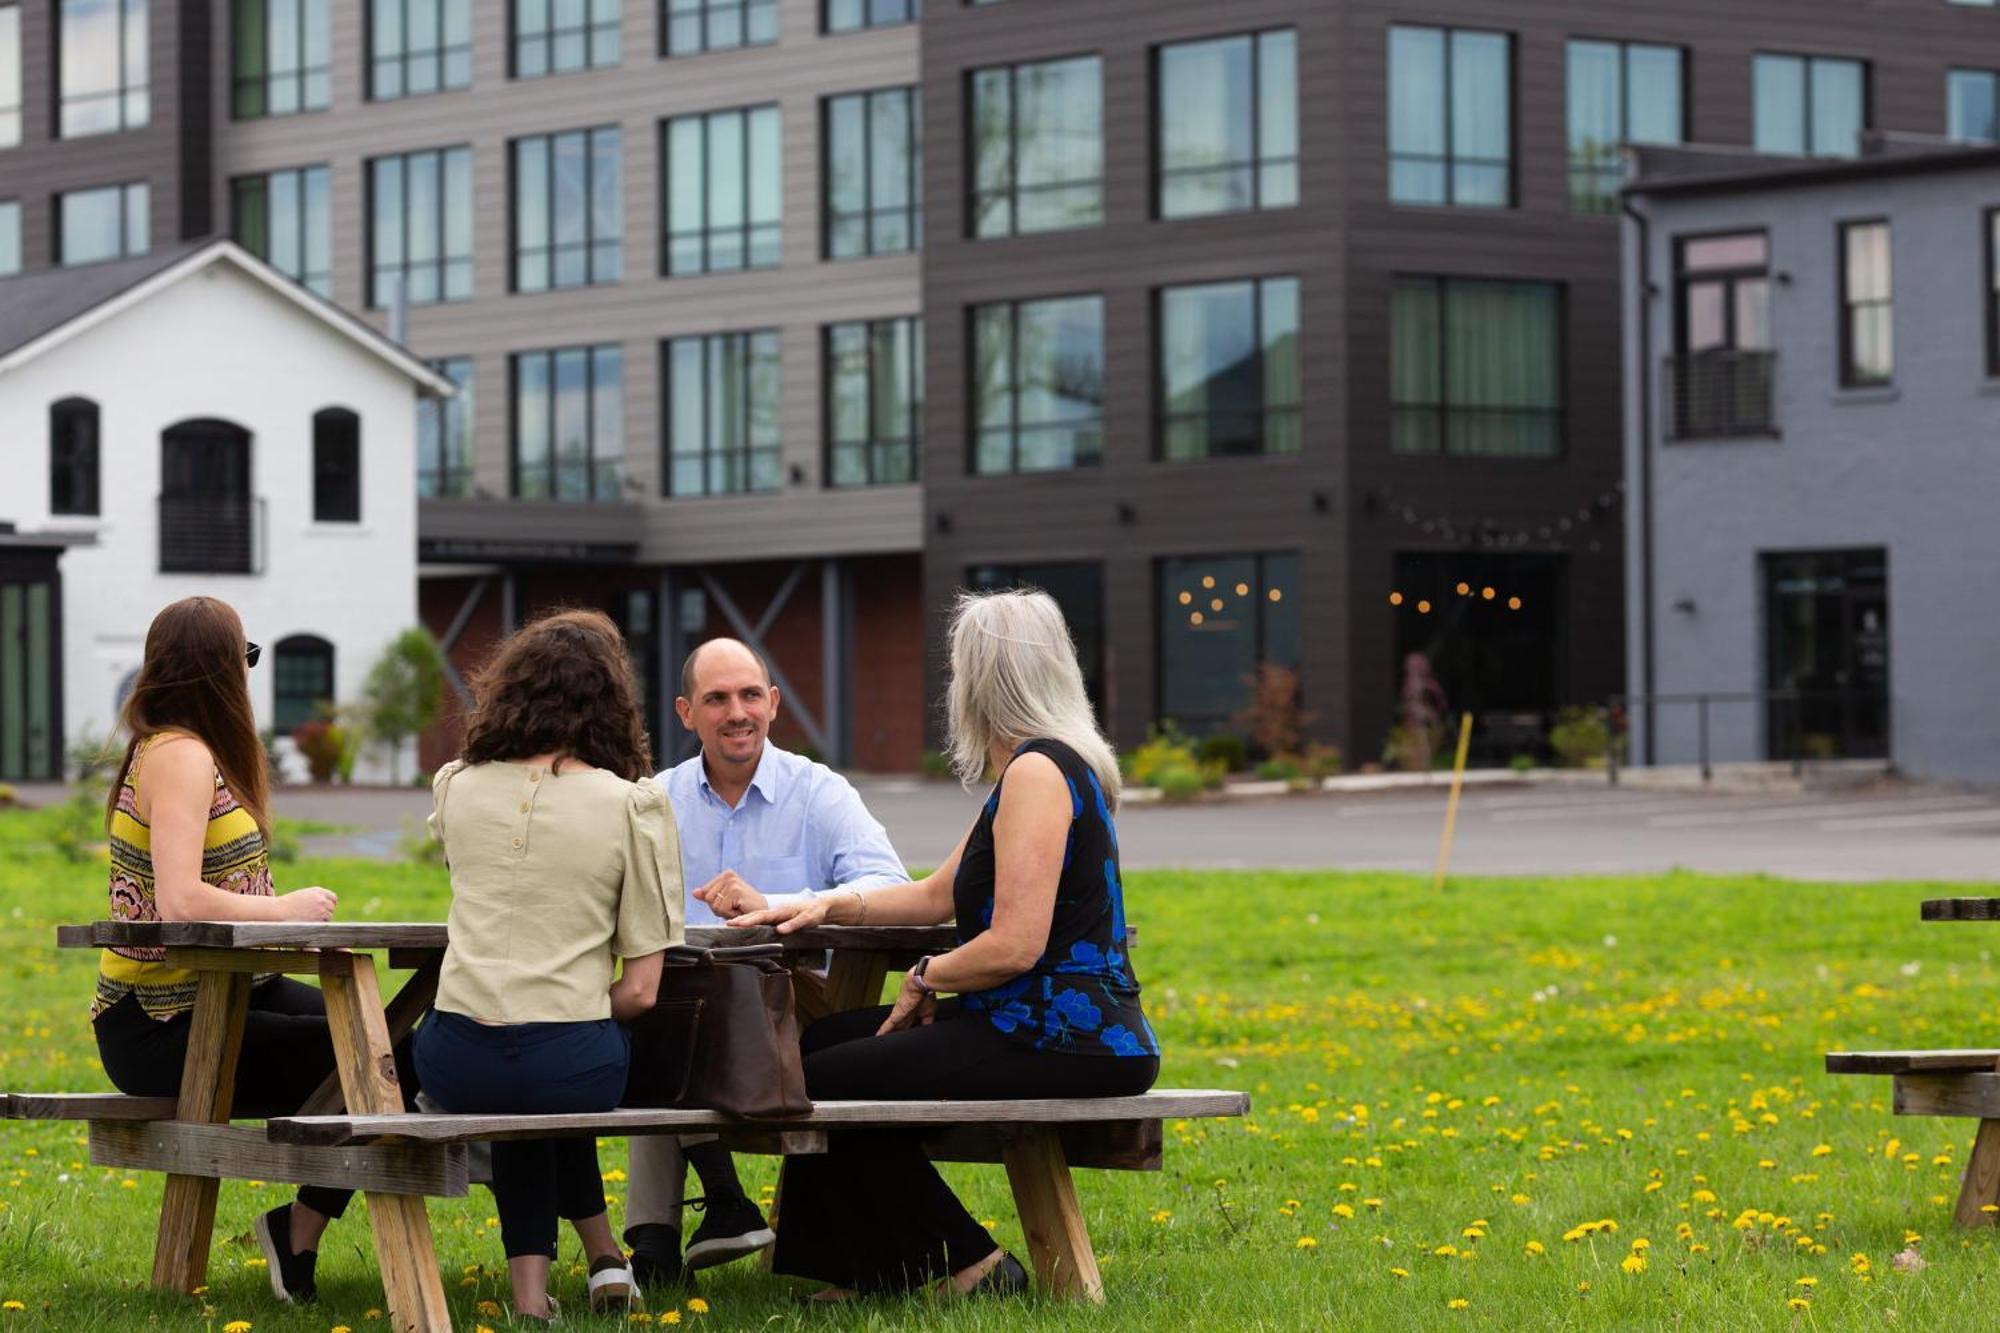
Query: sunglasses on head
251, 652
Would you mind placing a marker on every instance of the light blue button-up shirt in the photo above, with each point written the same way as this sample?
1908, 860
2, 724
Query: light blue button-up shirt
799, 830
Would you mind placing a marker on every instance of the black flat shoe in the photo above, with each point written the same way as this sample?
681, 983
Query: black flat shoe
290, 1271
656, 1257
730, 1229
1006, 1278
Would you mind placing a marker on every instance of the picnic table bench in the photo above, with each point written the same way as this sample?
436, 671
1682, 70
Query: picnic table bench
354, 1132
1948, 1083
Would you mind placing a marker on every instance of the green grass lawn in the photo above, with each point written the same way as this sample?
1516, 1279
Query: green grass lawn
1445, 1087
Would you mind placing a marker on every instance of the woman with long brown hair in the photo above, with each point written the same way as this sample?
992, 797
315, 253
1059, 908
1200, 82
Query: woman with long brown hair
189, 830
564, 863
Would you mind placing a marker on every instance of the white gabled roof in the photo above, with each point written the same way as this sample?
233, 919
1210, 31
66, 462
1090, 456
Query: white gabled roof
62, 304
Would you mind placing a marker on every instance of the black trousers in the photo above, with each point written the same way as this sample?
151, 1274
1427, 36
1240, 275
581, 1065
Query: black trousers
287, 1054
872, 1213
534, 1069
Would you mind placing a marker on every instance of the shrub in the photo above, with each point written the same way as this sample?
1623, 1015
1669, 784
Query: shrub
79, 826
1322, 761
935, 764
1179, 781
8, 796
1413, 742
418, 846
403, 694
1273, 719
1580, 737
323, 746
1281, 768
1225, 749
93, 757
1165, 748
1522, 763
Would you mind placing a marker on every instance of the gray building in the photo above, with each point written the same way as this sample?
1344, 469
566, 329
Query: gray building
1813, 405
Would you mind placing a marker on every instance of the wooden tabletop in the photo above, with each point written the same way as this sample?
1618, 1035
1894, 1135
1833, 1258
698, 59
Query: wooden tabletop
1962, 909
417, 935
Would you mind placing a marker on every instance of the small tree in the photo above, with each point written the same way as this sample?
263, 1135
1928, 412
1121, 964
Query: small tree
1273, 719
1420, 721
403, 693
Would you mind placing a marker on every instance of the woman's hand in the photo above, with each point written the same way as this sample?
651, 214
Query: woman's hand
915, 1007
314, 904
796, 914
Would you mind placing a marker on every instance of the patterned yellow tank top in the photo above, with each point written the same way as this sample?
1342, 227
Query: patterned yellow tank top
234, 857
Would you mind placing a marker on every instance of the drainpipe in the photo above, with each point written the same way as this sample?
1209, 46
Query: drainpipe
1647, 651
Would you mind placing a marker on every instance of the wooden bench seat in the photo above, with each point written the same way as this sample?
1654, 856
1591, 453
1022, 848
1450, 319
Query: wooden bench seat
84, 1106
1963, 1082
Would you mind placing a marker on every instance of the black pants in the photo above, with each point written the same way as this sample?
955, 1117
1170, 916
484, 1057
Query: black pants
530, 1069
872, 1213
287, 1054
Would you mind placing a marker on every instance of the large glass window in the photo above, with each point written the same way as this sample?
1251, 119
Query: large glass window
73, 457
283, 53
302, 681
420, 234
689, 27
569, 210
1229, 124
569, 423
851, 15
336, 466
10, 238
1229, 369
722, 413
114, 222
874, 401
724, 191
418, 46
10, 75
1451, 138
1037, 147
1220, 618
1476, 367
1722, 336
563, 36
1812, 106
1038, 385
105, 83
1972, 105
444, 434
1078, 590
874, 173
285, 219
1867, 323
1619, 93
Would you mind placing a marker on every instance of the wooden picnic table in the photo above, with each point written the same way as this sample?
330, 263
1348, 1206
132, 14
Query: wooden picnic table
198, 1148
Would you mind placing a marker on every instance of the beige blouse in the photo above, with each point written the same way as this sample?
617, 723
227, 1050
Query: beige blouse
553, 876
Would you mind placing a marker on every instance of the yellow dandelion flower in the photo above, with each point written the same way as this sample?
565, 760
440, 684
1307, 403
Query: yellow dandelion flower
1798, 1303
1582, 1288
1372, 1203
489, 1308
1445, 1251
1536, 1247
237, 1326
638, 1317
340, 1328
1343, 1210
11, 1305
371, 1313
1163, 1215
1641, 1244
1399, 1272
1807, 1282
1634, 1263
1521, 1200
1458, 1303
696, 1305
1307, 1243
1823, 1150
670, 1316
1697, 1248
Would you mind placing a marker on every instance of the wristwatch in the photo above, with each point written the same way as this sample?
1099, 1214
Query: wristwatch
917, 975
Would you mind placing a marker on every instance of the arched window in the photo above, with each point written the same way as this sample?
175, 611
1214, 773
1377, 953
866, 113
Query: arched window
336, 466
303, 670
73, 457
205, 511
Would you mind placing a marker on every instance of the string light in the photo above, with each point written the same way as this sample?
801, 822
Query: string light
1242, 590
1513, 604
1215, 603
1208, 580
1277, 595
1395, 599
1486, 593
1186, 598
1195, 619
1464, 588
1423, 608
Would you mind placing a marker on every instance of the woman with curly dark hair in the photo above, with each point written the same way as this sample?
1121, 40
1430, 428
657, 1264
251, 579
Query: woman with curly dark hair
564, 861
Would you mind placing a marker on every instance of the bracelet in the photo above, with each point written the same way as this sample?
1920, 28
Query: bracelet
917, 976
860, 906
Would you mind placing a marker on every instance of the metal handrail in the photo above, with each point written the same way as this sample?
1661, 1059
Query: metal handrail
1702, 700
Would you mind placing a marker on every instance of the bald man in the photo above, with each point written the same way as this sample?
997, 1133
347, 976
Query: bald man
756, 824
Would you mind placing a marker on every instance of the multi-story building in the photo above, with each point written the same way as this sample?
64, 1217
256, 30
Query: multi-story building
1811, 413
1280, 332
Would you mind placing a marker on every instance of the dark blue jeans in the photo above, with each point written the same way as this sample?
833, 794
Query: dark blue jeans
470, 1068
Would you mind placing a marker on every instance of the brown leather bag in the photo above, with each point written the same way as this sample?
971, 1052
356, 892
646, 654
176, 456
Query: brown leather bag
723, 1036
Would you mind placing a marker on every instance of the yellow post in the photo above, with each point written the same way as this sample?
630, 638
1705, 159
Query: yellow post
1451, 808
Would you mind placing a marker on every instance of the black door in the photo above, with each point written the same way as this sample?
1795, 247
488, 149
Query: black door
1827, 654
30, 672
205, 511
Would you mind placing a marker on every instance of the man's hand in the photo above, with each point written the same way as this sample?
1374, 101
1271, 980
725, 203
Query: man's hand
798, 914
915, 1007
729, 896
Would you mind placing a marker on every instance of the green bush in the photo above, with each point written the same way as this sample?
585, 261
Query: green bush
1580, 737
1179, 781
1281, 768
1522, 763
78, 833
1323, 761
92, 757
1229, 751
418, 846
8, 796
935, 764
325, 748
1161, 751
403, 695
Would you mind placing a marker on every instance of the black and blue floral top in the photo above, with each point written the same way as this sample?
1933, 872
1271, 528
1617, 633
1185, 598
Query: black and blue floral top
1081, 997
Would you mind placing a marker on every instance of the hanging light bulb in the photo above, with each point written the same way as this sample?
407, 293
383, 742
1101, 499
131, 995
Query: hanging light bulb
1423, 608
1215, 603
1208, 580
1487, 593
1277, 595
1195, 619
1513, 604
1186, 598
1395, 599
1464, 588
1242, 590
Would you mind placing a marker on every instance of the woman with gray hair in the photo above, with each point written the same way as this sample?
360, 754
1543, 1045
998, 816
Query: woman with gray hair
1046, 1002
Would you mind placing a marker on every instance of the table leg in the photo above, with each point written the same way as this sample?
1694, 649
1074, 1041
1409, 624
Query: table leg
1982, 1179
367, 1063
410, 1004
1046, 1198
208, 1085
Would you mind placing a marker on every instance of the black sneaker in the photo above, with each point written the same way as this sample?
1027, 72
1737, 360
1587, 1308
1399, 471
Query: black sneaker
730, 1229
656, 1256
291, 1273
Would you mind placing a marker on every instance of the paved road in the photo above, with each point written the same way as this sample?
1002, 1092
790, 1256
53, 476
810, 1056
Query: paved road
1893, 831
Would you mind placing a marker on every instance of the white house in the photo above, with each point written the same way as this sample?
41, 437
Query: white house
191, 421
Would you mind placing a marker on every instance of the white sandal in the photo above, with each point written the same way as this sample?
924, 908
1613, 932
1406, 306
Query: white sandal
611, 1284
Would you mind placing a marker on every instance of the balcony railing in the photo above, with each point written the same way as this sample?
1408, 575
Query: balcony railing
205, 535
1721, 394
